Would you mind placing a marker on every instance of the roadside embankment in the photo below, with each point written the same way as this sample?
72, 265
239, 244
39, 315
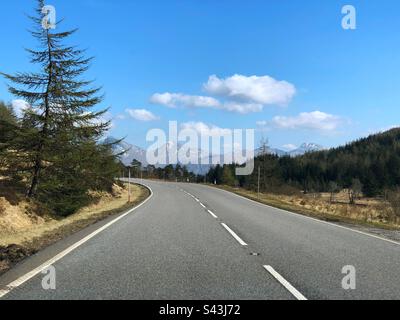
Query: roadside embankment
24, 229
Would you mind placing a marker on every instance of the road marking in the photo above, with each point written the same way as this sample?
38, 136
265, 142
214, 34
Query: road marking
285, 283
189, 194
212, 213
313, 219
197, 199
202, 205
61, 255
233, 234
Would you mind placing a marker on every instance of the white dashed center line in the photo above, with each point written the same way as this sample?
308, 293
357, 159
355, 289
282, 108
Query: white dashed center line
212, 214
233, 234
285, 283
270, 269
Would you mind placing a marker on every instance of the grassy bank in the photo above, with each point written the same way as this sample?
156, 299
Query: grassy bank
23, 231
367, 211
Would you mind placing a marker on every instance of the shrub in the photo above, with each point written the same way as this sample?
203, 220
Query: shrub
2, 209
393, 198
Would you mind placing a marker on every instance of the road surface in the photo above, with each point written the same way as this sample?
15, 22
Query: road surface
197, 242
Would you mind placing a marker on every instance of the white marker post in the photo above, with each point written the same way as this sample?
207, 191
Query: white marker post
258, 184
129, 185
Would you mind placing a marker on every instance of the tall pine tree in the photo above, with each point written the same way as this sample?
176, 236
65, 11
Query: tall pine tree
61, 129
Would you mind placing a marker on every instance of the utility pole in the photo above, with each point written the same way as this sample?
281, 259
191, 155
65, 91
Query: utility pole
129, 185
258, 184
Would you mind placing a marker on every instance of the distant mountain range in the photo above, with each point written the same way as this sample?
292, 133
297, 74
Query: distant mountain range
130, 152
303, 149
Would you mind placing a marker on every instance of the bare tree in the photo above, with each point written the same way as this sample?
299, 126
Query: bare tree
333, 189
355, 191
393, 198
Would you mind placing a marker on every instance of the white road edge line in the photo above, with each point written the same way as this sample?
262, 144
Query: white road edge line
314, 219
285, 283
202, 205
233, 234
212, 213
61, 255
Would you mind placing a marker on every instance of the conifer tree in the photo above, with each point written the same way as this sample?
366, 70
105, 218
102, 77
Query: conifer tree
8, 126
59, 133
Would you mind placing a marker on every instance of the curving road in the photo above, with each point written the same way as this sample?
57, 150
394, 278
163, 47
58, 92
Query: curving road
196, 242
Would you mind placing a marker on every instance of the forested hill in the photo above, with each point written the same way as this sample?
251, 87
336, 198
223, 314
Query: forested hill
375, 161
371, 164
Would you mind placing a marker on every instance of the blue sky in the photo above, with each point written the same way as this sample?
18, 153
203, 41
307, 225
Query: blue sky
312, 80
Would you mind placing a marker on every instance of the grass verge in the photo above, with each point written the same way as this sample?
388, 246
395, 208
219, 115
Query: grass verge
311, 210
18, 245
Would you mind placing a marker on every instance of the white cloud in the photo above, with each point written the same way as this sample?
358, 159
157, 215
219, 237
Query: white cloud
315, 120
206, 130
141, 114
242, 108
263, 90
19, 107
120, 117
389, 128
289, 147
240, 94
107, 117
174, 100
262, 123
100, 120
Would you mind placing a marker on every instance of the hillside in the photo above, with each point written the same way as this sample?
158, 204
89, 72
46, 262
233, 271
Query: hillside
356, 182
374, 160
371, 164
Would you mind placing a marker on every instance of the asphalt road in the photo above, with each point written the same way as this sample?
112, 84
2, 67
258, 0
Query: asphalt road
196, 242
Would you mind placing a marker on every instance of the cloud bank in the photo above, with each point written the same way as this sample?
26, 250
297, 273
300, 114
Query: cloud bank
141, 115
315, 120
263, 90
239, 93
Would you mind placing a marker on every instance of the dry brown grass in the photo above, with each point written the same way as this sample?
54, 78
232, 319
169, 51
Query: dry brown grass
16, 218
2, 208
18, 227
369, 211
23, 230
394, 200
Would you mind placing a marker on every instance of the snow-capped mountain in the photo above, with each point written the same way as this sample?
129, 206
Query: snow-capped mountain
129, 152
303, 149
205, 162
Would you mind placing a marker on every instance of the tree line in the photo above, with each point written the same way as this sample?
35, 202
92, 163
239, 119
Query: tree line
51, 151
370, 166
175, 173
